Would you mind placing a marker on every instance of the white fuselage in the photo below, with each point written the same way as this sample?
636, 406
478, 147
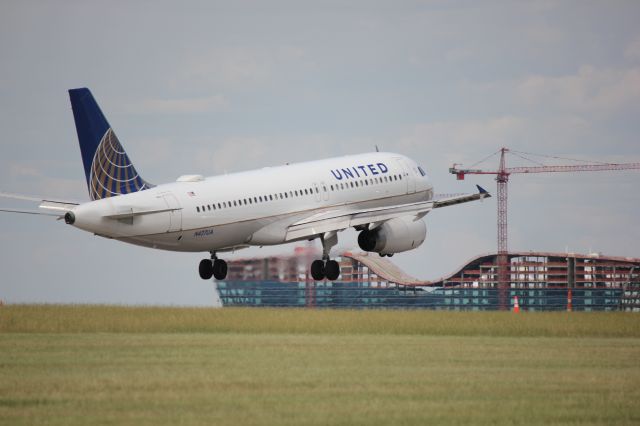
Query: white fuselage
254, 207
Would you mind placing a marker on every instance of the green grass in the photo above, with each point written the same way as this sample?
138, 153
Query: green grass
115, 365
91, 319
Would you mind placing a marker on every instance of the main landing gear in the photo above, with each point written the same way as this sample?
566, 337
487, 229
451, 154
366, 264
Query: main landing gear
326, 268
213, 267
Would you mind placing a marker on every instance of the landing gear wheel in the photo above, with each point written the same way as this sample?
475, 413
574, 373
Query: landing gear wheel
332, 270
219, 269
317, 270
206, 269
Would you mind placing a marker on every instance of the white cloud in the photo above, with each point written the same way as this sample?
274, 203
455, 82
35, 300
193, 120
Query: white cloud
633, 50
590, 89
451, 138
242, 67
180, 106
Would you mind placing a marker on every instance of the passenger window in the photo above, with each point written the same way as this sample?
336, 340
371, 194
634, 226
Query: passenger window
198, 209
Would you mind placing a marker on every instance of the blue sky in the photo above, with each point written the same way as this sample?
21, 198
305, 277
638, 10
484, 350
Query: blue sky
208, 87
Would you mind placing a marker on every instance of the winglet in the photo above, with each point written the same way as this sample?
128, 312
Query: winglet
483, 191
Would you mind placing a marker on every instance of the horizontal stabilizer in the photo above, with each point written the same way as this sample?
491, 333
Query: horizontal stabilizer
33, 212
51, 207
59, 206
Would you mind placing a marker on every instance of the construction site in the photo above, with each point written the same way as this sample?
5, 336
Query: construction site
502, 280
540, 281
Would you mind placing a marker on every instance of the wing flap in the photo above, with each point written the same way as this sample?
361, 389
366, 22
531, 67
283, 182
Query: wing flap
338, 220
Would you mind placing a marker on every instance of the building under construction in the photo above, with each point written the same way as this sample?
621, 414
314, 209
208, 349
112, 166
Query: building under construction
541, 281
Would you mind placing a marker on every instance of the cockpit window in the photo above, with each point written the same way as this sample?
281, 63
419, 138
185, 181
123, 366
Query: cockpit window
422, 172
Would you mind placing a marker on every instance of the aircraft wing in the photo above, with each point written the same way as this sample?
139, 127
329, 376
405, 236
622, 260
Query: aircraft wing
452, 200
338, 220
49, 207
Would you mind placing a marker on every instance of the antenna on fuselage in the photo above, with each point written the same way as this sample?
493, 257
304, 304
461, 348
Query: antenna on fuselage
377, 149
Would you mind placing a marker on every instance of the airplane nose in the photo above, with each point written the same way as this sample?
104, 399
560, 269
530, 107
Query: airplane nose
69, 218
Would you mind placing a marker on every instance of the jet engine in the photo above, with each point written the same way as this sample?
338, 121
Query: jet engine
394, 236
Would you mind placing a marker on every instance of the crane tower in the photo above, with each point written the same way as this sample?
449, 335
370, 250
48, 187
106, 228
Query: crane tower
502, 178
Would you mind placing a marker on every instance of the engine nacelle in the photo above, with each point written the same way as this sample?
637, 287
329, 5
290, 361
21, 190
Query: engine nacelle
394, 236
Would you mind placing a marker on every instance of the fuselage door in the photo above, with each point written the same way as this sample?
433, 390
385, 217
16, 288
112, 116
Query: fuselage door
175, 214
407, 175
316, 192
324, 190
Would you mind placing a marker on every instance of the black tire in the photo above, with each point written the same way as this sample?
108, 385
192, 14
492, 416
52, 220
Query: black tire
220, 269
317, 270
206, 269
332, 270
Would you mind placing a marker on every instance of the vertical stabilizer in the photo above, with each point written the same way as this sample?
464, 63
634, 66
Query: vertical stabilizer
107, 167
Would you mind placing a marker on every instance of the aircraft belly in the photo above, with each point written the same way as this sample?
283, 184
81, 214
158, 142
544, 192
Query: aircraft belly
259, 232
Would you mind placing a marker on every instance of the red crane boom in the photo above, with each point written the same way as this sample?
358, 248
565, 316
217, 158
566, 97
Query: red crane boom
502, 179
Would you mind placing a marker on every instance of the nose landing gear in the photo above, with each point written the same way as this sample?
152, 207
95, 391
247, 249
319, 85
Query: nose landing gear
213, 267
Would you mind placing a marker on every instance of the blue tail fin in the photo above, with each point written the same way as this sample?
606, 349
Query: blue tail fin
107, 167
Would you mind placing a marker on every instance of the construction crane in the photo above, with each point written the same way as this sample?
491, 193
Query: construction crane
502, 179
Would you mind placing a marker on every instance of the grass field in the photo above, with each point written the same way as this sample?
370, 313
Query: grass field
115, 365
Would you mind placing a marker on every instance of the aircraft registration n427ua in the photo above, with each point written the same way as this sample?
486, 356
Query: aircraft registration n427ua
382, 195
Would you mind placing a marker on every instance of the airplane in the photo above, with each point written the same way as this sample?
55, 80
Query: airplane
383, 195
